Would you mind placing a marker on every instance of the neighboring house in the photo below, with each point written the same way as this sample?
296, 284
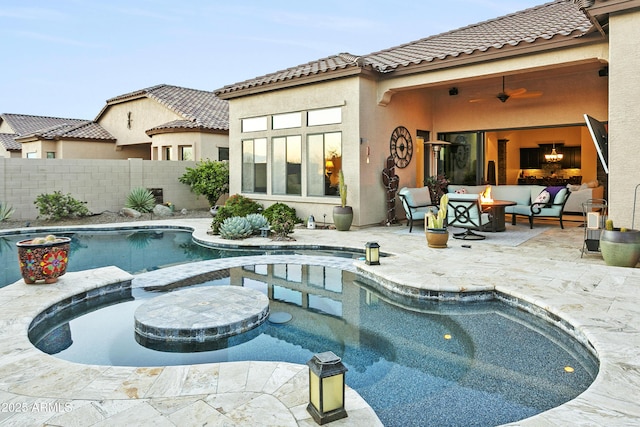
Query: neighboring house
167, 122
496, 91
53, 137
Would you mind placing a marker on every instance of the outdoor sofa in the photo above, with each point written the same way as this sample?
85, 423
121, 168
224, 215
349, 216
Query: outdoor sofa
530, 200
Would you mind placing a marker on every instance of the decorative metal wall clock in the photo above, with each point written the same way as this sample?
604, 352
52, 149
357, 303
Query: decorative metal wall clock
401, 146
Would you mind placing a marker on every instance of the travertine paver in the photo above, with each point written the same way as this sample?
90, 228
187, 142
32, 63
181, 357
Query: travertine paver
201, 315
600, 302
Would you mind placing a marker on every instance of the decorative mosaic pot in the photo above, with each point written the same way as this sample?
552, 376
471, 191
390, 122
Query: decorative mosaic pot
43, 261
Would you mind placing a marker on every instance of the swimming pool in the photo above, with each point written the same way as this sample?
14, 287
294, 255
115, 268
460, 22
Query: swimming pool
132, 250
415, 363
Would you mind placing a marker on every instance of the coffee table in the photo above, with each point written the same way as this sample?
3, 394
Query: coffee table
496, 208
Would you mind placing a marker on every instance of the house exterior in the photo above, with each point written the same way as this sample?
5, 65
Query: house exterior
495, 92
162, 122
42, 137
167, 122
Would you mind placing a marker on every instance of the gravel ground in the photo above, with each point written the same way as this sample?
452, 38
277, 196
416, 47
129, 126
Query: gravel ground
106, 217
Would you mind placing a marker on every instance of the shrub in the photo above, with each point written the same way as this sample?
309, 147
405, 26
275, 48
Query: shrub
257, 221
236, 227
276, 208
57, 205
236, 205
209, 178
282, 219
141, 200
5, 211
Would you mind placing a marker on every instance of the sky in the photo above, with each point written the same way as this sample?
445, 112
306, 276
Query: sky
65, 58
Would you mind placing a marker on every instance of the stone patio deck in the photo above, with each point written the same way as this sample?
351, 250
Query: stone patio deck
602, 303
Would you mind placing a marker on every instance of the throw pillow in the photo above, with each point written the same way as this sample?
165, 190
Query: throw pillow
543, 198
461, 191
553, 191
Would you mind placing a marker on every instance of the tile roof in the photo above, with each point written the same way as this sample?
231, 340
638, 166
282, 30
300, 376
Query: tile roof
23, 124
9, 143
561, 18
53, 128
83, 130
198, 108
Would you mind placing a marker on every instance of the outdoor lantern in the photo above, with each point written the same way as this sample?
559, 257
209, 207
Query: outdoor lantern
372, 253
326, 388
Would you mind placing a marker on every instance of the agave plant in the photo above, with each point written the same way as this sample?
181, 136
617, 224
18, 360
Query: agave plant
5, 211
141, 200
257, 222
236, 227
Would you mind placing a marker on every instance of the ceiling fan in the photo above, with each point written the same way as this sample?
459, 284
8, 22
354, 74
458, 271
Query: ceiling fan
520, 93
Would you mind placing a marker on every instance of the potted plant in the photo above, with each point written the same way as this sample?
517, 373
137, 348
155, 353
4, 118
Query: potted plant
342, 215
43, 258
620, 247
435, 227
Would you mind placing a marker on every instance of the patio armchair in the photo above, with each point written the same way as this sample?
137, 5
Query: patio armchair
464, 211
416, 203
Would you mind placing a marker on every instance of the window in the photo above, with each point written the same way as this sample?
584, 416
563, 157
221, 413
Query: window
324, 161
463, 159
254, 165
274, 160
254, 124
223, 153
286, 168
32, 155
327, 116
287, 121
51, 155
186, 153
167, 153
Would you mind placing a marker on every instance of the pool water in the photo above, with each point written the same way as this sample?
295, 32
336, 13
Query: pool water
418, 363
134, 251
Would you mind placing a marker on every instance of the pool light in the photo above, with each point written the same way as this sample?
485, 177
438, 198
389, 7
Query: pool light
372, 253
326, 388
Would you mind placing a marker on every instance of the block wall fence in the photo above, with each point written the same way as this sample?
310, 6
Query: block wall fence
103, 184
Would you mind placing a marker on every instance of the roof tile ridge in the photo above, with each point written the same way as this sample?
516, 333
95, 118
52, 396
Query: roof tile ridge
35, 116
136, 93
290, 69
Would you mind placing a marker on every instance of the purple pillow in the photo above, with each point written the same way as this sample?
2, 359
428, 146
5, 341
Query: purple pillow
553, 191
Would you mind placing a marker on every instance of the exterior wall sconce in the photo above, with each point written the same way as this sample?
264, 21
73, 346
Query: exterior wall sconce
372, 253
326, 388
554, 156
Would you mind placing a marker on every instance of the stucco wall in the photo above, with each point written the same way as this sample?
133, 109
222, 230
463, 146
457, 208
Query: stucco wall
103, 184
205, 144
145, 114
624, 111
343, 93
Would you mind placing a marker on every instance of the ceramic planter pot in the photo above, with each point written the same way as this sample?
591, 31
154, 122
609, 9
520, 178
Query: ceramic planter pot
43, 261
342, 217
620, 249
437, 237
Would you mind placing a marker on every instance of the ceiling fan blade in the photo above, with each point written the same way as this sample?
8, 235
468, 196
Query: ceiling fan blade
531, 94
515, 92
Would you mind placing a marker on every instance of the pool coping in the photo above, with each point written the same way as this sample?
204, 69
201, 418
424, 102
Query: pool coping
598, 301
